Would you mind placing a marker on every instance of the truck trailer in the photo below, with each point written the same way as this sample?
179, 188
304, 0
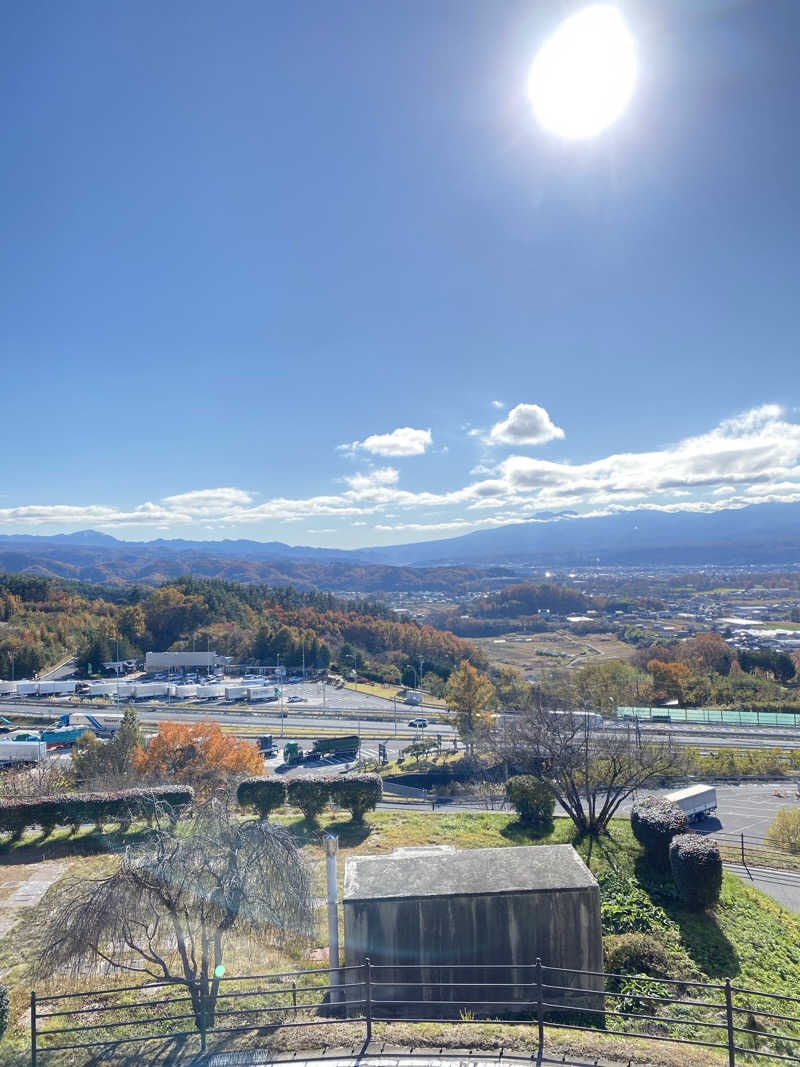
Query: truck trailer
23, 746
336, 746
696, 800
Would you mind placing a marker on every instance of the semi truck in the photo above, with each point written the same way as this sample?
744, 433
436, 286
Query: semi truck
696, 800
347, 747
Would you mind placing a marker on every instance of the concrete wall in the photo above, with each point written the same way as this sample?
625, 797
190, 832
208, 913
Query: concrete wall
561, 927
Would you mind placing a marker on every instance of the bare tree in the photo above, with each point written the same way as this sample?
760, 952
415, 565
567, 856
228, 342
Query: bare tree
591, 771
171, 902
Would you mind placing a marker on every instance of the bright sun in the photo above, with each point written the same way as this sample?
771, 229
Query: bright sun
583, 76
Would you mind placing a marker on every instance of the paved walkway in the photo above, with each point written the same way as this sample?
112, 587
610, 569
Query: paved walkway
23, 885
373, 1057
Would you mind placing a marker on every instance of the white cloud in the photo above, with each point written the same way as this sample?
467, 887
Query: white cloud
750, 458
208, 501
525, 424
498, 404
404, 441
370, 479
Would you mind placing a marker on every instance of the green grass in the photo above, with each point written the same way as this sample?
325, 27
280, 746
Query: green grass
748, 938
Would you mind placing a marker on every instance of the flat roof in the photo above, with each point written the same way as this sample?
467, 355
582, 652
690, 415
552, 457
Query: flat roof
469, 872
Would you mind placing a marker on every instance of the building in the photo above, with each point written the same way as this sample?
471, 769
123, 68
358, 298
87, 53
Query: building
466, 927
171, 661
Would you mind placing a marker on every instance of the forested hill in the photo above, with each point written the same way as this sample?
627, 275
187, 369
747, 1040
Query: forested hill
117, 563
42, 619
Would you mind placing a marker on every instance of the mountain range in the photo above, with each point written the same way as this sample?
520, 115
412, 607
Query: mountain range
762, 534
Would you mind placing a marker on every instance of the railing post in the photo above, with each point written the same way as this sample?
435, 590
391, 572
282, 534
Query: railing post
742, 841
539, 1008
729, 1023
368, 996
33, 1028
202, 1003
294, 996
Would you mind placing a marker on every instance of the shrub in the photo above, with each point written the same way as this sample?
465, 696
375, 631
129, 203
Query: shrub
263, 794
655, 821
784, 830
696, 869
310, 795
635, 993
532, 800
357, 793
637, 954
5, 1009
75, 809
625, 908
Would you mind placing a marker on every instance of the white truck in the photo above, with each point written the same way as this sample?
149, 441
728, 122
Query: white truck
696, 800
23, 746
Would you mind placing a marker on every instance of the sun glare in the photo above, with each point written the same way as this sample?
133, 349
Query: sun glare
583, 76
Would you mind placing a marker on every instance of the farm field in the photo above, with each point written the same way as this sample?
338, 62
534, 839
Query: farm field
540, 652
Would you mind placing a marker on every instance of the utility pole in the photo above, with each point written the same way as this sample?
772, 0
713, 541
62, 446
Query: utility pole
331, 851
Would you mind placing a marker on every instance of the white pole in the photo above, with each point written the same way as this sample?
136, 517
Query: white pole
331, 851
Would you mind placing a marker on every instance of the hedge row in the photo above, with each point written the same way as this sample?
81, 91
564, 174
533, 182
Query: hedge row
263, 794
655, 821
696, 868
358, 794
75, 809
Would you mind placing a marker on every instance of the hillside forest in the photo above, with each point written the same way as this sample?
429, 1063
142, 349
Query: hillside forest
43, 620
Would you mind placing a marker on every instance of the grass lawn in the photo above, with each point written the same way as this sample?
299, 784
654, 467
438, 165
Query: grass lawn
748, 938
391, 692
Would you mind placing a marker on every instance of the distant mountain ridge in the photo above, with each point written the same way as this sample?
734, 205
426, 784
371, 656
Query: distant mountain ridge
760, 534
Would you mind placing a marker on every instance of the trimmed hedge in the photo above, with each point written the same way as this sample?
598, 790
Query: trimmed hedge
655, 821
262, 793
310, 795
358, 793
696, 869
5, 1009
532, 800
75, 809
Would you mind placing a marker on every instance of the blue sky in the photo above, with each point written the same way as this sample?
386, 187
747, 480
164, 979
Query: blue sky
312, 271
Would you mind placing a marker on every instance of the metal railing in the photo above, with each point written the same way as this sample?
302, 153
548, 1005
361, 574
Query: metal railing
732, 1019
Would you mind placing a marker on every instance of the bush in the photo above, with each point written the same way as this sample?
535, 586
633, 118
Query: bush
357, 793
310, 795
5, 1009
696, 869
655, 821
637, 954
784, 830
263, 794
532, 800
625, 908
74, 809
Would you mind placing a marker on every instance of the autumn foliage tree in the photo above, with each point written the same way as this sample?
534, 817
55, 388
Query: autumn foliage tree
197, 753
471, 698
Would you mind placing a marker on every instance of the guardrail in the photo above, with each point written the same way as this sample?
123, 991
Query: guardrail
738, 1021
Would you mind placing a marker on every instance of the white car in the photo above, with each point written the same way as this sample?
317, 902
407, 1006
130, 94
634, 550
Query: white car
418, 724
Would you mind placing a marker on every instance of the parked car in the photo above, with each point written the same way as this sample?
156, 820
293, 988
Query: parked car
418, 724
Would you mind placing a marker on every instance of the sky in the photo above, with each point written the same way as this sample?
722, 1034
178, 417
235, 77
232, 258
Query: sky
314, 272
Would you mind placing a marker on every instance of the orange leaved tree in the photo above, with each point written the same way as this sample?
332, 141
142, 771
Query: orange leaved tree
197, 753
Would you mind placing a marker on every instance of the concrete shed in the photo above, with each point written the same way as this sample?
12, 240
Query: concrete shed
444, 928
